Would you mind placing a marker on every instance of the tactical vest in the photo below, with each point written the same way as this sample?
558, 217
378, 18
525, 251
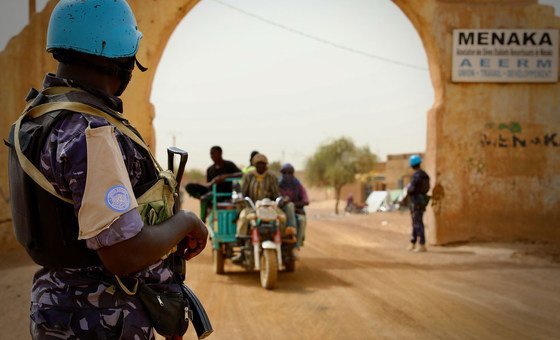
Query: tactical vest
44, 221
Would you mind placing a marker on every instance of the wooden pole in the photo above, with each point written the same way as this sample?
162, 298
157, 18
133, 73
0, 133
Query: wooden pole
32, 8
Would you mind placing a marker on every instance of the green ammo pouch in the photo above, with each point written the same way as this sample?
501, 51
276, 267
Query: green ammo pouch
156, 204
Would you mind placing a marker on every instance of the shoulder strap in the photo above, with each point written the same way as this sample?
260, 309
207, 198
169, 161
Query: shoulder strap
42, 109
30, 169
49, 91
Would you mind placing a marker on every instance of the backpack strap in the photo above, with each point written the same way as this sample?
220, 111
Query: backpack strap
30, 168
54, 90
77, 107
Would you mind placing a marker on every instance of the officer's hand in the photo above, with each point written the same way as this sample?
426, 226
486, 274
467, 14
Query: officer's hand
196, 239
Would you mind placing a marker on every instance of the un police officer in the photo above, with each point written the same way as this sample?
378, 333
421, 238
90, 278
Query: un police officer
90, 204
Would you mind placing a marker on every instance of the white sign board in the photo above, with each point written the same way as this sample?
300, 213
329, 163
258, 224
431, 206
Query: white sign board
505, 55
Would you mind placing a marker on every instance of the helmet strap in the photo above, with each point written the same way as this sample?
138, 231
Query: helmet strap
140, 67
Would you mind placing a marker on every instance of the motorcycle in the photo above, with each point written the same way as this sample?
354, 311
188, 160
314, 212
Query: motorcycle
265, 249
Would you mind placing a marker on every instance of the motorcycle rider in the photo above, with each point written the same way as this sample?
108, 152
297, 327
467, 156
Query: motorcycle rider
418, 200
217, 173
294, 193
257, 185
251, 166
78, 172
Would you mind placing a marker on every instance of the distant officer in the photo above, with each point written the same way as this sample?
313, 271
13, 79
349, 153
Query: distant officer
81, 182
418, 200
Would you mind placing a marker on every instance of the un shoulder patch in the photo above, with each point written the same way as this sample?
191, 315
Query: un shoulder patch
117, 198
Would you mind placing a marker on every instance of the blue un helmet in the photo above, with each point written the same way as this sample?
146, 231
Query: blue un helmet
97, 27
415, 160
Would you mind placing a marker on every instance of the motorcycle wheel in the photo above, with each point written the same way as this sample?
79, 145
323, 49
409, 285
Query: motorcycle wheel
269, 269
218, 261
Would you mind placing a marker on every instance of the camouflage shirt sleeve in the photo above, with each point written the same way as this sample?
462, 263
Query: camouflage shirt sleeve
63, 160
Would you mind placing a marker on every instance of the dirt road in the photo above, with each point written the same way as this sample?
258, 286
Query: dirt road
355, 280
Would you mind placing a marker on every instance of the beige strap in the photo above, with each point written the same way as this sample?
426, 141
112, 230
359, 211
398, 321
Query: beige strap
26, 165
42, 109
125, 288
30, 169
50, 91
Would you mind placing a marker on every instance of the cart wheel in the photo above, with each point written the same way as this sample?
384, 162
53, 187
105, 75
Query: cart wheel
218, 261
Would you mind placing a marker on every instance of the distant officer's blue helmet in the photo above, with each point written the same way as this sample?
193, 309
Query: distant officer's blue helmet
105, 28
415, 160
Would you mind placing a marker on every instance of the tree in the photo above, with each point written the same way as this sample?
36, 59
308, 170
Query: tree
336, 163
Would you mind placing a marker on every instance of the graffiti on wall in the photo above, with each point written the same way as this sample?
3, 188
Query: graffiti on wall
512, 135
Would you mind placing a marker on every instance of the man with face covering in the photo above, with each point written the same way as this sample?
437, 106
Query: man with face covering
294, 193
79, 177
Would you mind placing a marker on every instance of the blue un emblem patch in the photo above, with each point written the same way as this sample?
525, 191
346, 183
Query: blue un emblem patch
117, 198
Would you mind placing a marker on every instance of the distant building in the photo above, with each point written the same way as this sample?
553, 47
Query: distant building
393, 174
398, 172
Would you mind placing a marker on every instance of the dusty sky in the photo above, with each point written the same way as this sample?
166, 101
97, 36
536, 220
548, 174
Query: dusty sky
247, 84
283, 76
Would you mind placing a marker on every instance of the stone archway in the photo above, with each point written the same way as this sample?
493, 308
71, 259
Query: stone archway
476, 195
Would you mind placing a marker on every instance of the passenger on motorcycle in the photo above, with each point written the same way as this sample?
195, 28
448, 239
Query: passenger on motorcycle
220, 170
257, 185
294, 193
250, 167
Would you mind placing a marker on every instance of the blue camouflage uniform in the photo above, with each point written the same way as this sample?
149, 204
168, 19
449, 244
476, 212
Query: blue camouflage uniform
86, 303
417, 190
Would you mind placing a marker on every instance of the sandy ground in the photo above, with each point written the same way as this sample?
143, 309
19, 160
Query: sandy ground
355, 280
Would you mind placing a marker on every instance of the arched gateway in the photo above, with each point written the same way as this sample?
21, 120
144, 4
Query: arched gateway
492, 149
